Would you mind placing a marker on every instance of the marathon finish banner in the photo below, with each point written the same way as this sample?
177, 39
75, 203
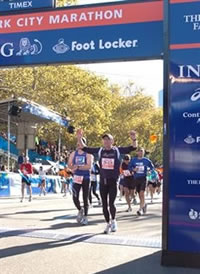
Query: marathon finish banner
123, 31
16, 5
184, 90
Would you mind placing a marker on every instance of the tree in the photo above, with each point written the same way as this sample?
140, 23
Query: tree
68, 90
64, 3
90, 102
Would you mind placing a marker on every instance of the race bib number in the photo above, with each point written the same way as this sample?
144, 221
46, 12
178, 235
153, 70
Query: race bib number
80, 160
140, 169
78, 179
108, 163
126, 173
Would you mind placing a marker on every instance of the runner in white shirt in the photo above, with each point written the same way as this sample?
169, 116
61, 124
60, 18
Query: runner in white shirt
42, 184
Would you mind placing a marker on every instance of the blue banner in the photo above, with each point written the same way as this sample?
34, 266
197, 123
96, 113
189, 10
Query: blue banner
82, 45
116, 32
184, 121
4, 184
15, 5
45, 113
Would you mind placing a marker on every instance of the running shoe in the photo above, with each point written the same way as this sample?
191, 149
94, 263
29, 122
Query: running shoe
152, 201
140, 212
99, 203
113, 226
129, 209
145, 209
107, 229
134, 201
84, 221
22, 200
79, 216
30, 199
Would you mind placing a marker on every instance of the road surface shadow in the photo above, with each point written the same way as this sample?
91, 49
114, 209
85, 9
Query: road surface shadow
23, 249
148, 264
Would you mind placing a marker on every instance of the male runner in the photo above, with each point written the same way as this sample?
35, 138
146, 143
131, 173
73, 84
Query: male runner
140, 165
26, 172
109, 159
80, 164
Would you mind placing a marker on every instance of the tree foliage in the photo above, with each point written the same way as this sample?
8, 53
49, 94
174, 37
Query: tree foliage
90, 102
64, 3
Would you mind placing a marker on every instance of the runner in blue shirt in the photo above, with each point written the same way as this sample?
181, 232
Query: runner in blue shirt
80, 163
140, 166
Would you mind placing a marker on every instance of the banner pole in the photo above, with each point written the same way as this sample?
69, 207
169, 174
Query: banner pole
8, 137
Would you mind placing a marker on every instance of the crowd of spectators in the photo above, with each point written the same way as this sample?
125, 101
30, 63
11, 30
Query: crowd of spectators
5, 136
47, 149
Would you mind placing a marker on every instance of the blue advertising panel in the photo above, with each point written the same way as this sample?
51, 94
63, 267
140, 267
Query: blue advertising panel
15, 5
4, 184
184, 127
115, 32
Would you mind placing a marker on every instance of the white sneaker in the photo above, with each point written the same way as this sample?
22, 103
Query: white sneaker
107, 229
79, 216
140, 212
113, 226
84, 221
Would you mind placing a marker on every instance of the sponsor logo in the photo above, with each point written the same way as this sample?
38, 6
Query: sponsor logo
25, 48
193, 214
190, 140
196, 95
21, 5
193, 182
61, 47
120, 43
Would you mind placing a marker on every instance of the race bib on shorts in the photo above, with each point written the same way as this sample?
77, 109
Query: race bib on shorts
78, 179
126, 173
108, 163
140, 169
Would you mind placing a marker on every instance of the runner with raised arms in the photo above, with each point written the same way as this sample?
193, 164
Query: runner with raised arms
109, 160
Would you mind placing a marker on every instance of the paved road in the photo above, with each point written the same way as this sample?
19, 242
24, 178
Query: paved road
57, 215
43, 236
